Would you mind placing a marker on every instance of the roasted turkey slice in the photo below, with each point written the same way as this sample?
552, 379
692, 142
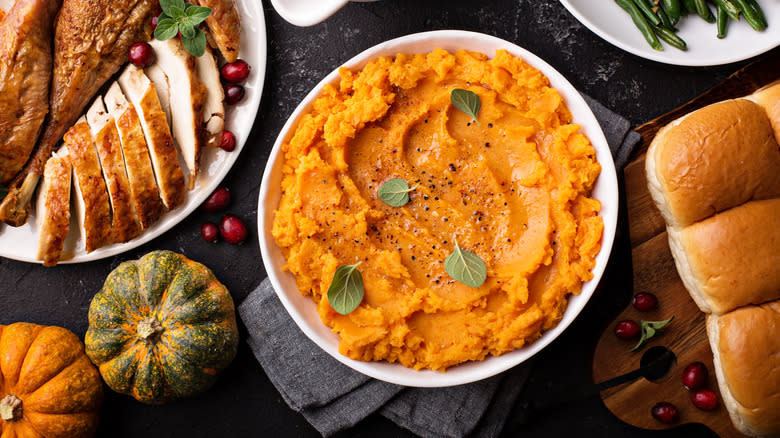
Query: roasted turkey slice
124, 222
141, 93
53, 208
214, 109
224, 26
144, 194
25, 72
188, 96
91, 39
92, 206
156, 74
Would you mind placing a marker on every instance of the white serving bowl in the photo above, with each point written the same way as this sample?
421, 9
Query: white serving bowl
302, 308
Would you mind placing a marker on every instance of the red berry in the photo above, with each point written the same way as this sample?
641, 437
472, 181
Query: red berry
644, 301
235, 72
694, 376
233, 93
665, 412
704, 399
155, 20
232, 229
141, 54
209, 232
627, 329
218, 201
228, 141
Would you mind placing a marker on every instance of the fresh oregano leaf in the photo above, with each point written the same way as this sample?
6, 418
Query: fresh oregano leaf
197, 45
650, 329
395, 192
165, 5
466, 101
197, 14
187, 31
177, 13
465, 267
346, 290
166, 29
180, 17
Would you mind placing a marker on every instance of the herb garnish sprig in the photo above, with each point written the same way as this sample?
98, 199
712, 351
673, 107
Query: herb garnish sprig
395, 192
465, 267
466, 101
346, 289
179, 16
650, 329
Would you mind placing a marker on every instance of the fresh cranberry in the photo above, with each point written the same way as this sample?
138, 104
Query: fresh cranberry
141, 54
233, 93
665, 412
209, 232
218, 201
228, 141
627, 329
644, 301
155, 20
704, 399
232, 229
694, 376
235, 72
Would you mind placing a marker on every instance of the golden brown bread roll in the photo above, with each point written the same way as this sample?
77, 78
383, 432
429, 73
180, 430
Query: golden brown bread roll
769, 98
715, 176
711, 160
731, 259
746, 349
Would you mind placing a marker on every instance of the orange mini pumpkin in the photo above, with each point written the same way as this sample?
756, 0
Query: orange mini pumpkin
48, 386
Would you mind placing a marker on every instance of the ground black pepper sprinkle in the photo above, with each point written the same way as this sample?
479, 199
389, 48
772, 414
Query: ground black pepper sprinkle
452, 167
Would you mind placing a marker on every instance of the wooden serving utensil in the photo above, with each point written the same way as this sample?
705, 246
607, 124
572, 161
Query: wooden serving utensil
654, 271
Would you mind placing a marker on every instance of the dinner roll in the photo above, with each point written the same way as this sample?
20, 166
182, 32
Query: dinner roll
746, 350
769, 98
711, 160
731, 259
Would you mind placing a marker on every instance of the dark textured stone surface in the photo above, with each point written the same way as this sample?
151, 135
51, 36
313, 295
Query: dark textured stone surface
243, 402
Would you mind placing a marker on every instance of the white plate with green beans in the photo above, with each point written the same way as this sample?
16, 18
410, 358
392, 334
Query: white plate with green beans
712, 32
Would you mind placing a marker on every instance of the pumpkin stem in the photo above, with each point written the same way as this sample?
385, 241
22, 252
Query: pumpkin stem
10, 408
149, 329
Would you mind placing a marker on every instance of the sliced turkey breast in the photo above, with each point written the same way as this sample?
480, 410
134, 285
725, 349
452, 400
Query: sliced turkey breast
124, 222
224, 25
53, 208
160, 81
144, 194
188, 97
92, 205
141, 93
214, 109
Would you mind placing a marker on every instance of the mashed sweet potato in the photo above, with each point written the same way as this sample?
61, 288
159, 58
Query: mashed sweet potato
513, 188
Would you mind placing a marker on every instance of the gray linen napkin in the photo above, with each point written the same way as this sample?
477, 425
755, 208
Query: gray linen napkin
333, 397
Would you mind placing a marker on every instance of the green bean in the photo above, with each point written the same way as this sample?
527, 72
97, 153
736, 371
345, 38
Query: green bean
690, 6
722, 20
750, 15
704, 11
665, 20
672, 10
730, 8
671, 38
648, 11
759, 12
641, 23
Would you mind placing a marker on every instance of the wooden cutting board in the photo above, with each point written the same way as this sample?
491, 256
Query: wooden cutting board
654, 271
